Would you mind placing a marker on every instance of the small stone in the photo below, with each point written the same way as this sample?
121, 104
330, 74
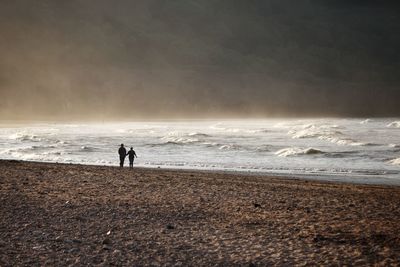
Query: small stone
72, 250
106, 241
116, 252
106, 247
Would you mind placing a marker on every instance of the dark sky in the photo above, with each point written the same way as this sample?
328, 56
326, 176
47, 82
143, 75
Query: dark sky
122, 59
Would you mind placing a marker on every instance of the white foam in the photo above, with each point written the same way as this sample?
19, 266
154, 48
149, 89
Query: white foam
313, 145
24, 136
196, 134
87, 148
365, 121
395, 161
394, 124
179, 140
229, 147
325, 132
311, 131
295, 151
35, 156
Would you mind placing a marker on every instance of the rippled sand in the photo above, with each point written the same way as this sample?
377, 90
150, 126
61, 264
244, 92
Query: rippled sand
57, 215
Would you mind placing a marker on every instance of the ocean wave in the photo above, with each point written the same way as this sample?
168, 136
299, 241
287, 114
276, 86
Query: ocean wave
342, 154
327, 133
394, 124
312, 131
344, 141
164, 144
25, 137
222, 146
179, 140
26, 149
46, 156
394, 145
172, 140
294, 151
87, 148
229, 147
263, 148
212, 144
196, 134
258, 131
395, 161
365, 121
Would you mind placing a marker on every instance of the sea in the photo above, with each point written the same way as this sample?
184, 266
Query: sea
347, 150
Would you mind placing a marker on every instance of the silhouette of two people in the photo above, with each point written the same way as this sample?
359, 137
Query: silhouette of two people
122, 155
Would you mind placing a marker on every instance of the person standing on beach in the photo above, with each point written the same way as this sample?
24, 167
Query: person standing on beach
132, 155
122, 155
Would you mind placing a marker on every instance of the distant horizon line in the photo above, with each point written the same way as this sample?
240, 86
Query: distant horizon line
21, 121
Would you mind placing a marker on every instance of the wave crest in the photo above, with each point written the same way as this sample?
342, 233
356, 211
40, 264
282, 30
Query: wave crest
395, 161
294, 151
394, 124
327, 133
195, 134
21, 136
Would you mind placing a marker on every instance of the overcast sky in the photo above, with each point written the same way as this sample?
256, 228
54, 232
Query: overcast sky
123, 59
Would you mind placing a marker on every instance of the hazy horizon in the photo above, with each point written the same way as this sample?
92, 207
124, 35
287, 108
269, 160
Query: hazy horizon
85, 60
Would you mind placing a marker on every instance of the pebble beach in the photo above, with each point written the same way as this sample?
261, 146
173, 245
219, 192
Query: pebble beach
76, 215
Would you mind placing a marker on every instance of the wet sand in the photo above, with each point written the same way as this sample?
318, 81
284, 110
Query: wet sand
60, 215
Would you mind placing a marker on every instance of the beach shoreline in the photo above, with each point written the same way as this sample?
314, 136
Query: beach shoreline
311, 177
63, 214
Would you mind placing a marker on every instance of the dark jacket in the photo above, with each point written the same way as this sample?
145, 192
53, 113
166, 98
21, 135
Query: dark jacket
131, 154
122, 152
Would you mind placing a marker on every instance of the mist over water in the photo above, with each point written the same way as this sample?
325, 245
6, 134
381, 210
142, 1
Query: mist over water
105, 60
352, 150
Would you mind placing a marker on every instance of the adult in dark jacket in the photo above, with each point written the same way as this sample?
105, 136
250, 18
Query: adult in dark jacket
122, 155
132, 155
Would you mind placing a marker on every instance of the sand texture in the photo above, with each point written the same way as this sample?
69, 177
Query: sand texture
61, 215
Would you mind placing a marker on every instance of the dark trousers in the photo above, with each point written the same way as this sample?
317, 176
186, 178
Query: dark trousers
121, 161
131, 162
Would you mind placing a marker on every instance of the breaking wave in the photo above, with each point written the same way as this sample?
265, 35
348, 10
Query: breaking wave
294, 151
179, 140
25, 137
195, 134
327, 133
87, 149
395, 161
365, 121
327, 146
394, 124
229, 147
